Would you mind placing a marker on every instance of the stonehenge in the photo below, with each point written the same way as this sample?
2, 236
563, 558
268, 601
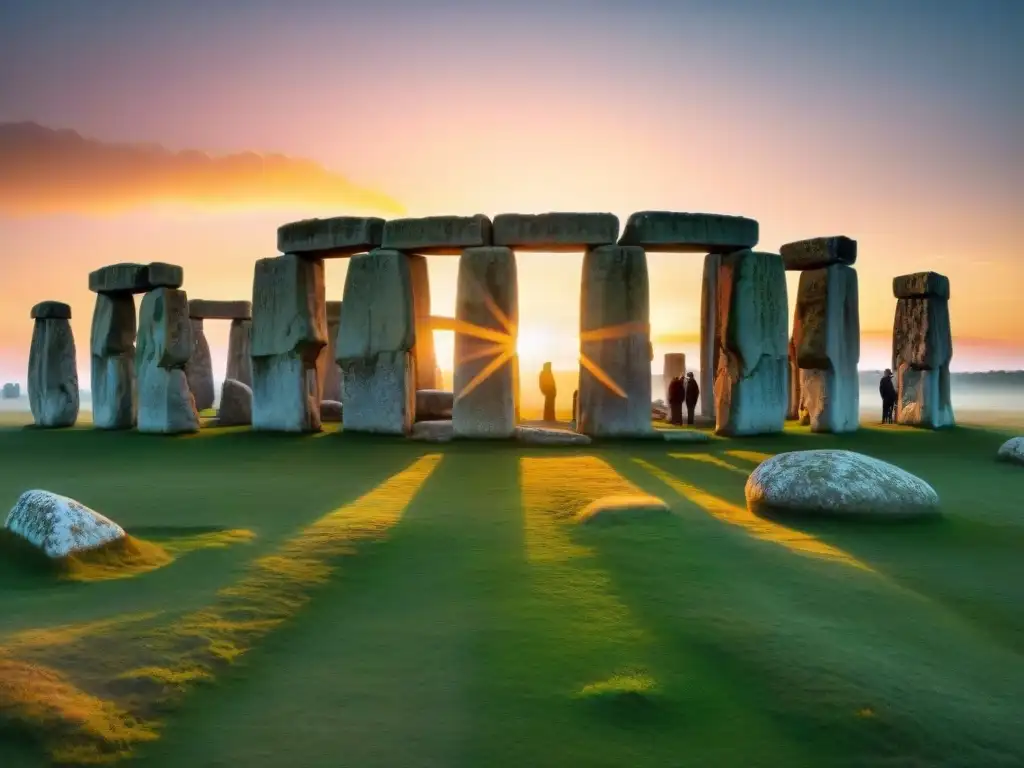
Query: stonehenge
199, 369
165, 403
825, 389
235, 404
922, 348
708, 333
52, 367
330, 371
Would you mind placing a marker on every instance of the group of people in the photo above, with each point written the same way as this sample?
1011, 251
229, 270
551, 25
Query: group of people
682, 392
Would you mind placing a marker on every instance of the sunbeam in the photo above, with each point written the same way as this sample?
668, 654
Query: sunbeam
485, 373
613, 332
601, 376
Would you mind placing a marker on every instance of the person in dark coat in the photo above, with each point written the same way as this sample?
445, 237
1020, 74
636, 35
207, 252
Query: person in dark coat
548, 389
888, 392
675, 400
692, 394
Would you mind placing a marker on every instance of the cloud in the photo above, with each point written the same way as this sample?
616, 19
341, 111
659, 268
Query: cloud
47, 171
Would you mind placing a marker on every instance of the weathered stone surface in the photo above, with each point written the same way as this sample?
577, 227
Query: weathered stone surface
426, 360
434, 404
830, 400
921, 285
113, 391
240, 352
619, 510
331, 411
433, 431
165, 330
235, 404
555, 232
331, 238
285, 394
487, 299
208, 309
166, 405
550, 436
441, 235
327, 363
819, 252
376, 344
113, 325
921, 333
51, 310
135, 278
923, 397
673, 366
60, 526
793, 411
675, 232
53, 374
1012, 451
837, 484
615, 339
751, 392
288, 308
709, 346
199, 368
11, 391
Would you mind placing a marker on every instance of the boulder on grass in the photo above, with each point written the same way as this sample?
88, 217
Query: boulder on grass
440, 431
330, 411
550, 436
837, 484
60, 526
235, 404
1012, 450
617, 510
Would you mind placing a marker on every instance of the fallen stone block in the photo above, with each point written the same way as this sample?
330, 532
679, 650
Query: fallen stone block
819, 252
433, 431
289, 312
550, 436
921, 285
672, 232
437, 235
555, 232
336, 237
53, 374
208, 309
51, 310
235, 404
434, 404
60, 526
683, 436
135, 278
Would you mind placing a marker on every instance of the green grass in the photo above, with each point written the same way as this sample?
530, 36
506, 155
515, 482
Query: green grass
343, 600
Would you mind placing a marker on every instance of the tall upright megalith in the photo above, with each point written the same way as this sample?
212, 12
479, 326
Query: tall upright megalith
52, 367
199, 368
239, 366
751, 393
486, 316
330, 370
376, 344
112, 339
826, 331
615, 338
709, 346
922, 348
165, 403
289, 329
793, 410
673, 366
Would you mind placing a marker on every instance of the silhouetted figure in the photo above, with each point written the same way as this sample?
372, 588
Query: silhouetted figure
692, 395
676, 395
888, 392
548, 389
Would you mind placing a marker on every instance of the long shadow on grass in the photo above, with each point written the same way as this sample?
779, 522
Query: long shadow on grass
859, 671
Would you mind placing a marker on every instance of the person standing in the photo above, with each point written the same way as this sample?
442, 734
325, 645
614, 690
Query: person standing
888, 392
692, 395
675, 400
548, 389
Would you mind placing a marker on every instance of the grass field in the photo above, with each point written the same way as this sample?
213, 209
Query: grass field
341, 600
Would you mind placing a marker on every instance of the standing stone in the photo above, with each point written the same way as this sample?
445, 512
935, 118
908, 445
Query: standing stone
240, 352
52, 367
112, 348
674, 366
615, 368
426, 360
675, 232
486, 364
165, 403
199, 369
922, 348
793, 412
235, 404
327, 363
751, 395
289, 328
376, 344
826, 338
709, 347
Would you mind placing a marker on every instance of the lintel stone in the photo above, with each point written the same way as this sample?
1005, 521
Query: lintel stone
921, 285
437, 235
675, 232
555, 232
818, 253
51, 310
207, 309
336, 237
135, 278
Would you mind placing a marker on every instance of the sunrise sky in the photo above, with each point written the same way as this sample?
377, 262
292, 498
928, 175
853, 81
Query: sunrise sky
899, 124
